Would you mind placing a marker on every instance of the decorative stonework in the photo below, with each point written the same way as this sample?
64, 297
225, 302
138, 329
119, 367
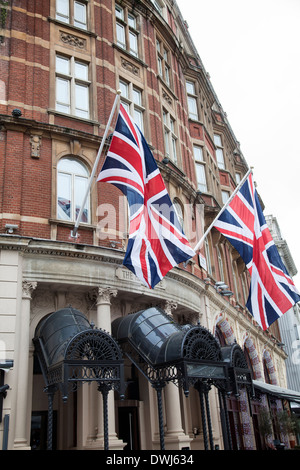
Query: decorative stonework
105, 294
130, 67
35, 143
72, 40
169, 306
27, 288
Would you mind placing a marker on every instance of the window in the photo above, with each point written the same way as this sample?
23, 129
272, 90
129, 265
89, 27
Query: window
200, 169
158, 5
170, 137
219, 151
72, 182
192, 100
225, 196
72, 12
208, 258
126, 30
131, 98
179, 212
163, 62
220, 263
72, 87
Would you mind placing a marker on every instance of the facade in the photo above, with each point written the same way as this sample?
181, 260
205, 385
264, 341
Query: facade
61, 63
289, 324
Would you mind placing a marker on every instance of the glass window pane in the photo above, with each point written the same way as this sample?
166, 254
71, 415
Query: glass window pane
80, 186
81, 71
138, 118
167, 74
81, 101
190, 88
131, 21
62, 95
124, 89
62, 65
174, 152
193, 113
126, 106
201, 178
69, 165
217, 140
198, 154
133, 43
80, 15
121, 36
137, 96
119, 12
167, 146
62, 10
220, 158
63, 196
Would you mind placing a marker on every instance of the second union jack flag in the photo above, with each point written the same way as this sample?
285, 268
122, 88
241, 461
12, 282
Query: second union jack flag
272, 291
156, 240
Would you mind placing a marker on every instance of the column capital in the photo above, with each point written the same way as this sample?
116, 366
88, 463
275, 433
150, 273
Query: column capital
27, 288
105, 294
169, 306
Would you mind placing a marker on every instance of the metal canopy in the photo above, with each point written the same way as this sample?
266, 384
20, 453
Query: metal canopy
186, 355
71, 352
166, 351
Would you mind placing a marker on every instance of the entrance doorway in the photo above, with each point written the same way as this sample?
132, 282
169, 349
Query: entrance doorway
128, 421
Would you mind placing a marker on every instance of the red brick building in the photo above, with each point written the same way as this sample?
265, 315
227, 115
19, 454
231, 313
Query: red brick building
61, 63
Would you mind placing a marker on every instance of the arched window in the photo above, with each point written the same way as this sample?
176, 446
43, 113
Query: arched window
72, 181
179, 212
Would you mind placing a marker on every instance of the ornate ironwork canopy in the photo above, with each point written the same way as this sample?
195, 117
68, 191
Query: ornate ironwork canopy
238, 371
166, 351
70, 353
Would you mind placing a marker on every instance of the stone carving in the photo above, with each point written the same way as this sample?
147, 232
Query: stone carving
130, 67
72, 40
27, 288
35, 143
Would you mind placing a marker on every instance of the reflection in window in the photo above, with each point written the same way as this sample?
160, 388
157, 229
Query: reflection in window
72, 182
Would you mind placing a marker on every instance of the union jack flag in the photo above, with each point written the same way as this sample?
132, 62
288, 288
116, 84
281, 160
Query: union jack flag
272, 291
156, 240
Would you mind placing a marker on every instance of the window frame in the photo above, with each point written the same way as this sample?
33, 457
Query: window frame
73, 177
200, 163
133, 107
170, 136
70, 18
74, 83
130, 31
164, 62
219, 151
192, 98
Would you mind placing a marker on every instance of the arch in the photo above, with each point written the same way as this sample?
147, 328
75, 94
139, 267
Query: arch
226, 329
72, 181
270, 373
253, 356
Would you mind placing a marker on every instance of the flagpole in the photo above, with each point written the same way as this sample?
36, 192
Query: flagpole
116, 102
222, 210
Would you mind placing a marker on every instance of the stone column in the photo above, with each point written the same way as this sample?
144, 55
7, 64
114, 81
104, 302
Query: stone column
104, 322
21, 425
174, 436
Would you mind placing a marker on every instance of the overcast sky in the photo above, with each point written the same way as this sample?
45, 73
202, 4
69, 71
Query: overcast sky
251, 49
